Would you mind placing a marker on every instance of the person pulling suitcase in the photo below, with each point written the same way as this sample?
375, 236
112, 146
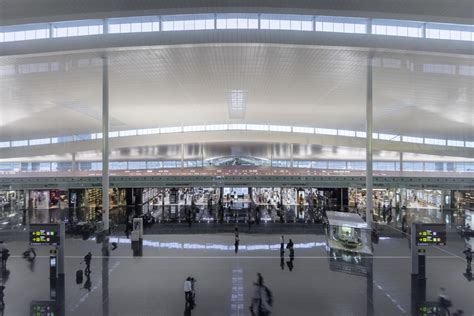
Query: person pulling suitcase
87, 260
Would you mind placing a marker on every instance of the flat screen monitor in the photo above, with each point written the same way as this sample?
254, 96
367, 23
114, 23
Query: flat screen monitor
430, 234
44, 235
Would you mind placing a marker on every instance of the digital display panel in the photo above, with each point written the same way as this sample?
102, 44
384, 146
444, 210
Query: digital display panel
43, 308
44, 234
428, 309
430, 234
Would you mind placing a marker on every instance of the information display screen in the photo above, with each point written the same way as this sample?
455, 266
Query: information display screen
430, 234
44, 234
43, 308
428, 309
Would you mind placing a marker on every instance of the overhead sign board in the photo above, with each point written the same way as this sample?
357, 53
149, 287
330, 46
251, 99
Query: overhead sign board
430, 234
44, 235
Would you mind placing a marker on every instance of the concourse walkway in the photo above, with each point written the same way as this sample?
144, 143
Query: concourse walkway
153, 284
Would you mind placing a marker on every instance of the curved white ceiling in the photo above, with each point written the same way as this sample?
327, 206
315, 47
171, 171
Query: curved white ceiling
416, 94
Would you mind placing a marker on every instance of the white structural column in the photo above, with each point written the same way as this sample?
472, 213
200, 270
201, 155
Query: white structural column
105, 142
369, 129
401, 162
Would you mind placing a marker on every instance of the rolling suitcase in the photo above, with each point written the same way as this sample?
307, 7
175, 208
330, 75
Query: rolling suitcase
79, 277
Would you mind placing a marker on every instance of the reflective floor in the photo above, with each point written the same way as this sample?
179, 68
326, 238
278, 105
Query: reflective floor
153, 284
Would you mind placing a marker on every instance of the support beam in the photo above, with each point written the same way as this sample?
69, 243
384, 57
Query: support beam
105, 142
401, 162
291, 155
369, 130
73, 162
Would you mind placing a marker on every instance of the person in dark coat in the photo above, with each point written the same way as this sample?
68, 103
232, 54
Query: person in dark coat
87, 260
5, 256
468, 253
237, 240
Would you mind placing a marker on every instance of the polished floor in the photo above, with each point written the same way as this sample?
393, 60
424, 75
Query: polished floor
153, 284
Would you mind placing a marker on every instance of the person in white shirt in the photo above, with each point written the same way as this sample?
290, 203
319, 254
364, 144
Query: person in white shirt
188, 289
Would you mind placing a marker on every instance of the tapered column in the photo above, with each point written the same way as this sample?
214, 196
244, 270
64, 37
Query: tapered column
401, 162
105, 142
369, 131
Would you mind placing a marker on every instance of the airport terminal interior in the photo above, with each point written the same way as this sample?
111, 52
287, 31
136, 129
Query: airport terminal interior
236, 158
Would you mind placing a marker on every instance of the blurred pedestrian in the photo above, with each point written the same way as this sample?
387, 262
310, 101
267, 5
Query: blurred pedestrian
468, 253
444, 301
87, 260
290, 246
236, 240
5, 256
282, 245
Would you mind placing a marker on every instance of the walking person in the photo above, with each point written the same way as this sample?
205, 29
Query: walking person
290, 247
468, 253
404, 223
262, 299
282, 245
5, 256
236, 240
444, 301
188, 289
87, 260
128, 228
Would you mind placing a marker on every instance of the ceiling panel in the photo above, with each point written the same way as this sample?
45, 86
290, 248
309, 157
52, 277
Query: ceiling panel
414, 94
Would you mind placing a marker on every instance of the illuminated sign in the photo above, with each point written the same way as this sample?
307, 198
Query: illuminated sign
430, 234
44, 234
428, 309
43, 308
